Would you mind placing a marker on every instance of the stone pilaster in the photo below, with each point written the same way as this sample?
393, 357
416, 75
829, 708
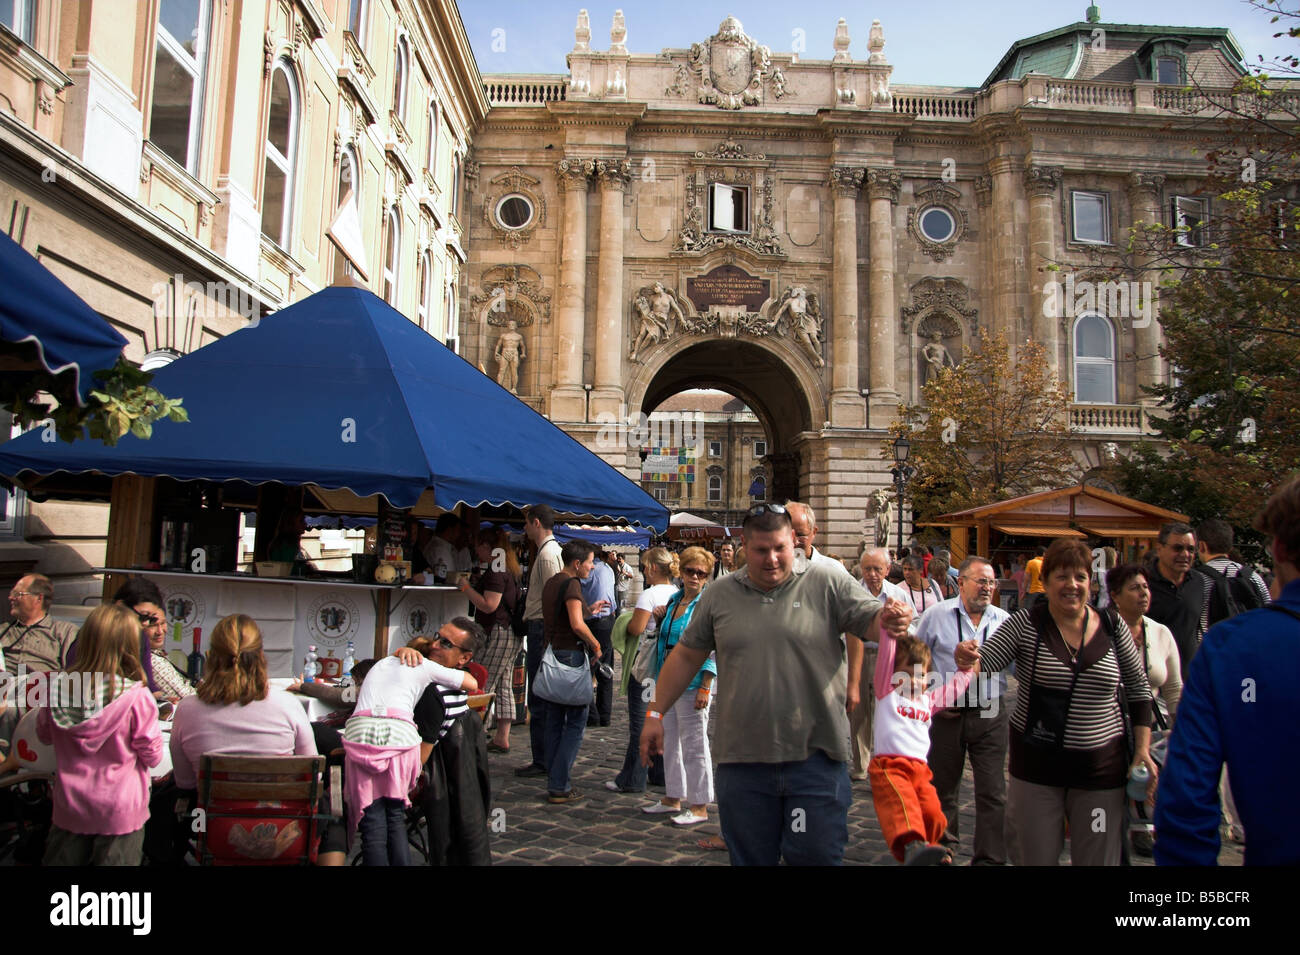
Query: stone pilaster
613, 176
1145, 191
1041, 186
847, 409
882, 194
1005, 252
568, 399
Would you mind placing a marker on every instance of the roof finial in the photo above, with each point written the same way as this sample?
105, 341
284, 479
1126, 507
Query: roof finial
1093, 14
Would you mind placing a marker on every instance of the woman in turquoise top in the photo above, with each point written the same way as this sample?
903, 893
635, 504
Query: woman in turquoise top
688, 769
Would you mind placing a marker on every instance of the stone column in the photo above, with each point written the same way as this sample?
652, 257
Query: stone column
846, 406
607, 397
882, 192
1041, 184
568, 399
1144, 192
1004, 250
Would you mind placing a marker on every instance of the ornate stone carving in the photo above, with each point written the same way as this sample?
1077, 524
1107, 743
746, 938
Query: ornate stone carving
514, 182
941, 196
300, 41
681, 82
805, 318
46, 103
730, 149
881, 501
983, 191
780, 86
842, 54
1147, 185
729, 175
509, 355
575, 173
658, 314
205, 212
878, 68
471, 169
268, 52
876, 43
614, 173
731, 67
846, 180
762, 238
1042, 180
940, 295
883, 183
511, 293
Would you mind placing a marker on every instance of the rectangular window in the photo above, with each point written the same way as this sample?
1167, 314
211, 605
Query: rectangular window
715, 489
728, 208
180, 61
1169, 71
760, 449
715, 449
1188, 217
17, 16
1091, 217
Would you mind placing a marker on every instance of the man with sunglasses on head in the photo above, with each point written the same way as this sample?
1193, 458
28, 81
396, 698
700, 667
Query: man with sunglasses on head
1178, 590
977, 724
782, 740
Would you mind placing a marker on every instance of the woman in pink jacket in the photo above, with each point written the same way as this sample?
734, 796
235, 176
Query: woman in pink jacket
103, 723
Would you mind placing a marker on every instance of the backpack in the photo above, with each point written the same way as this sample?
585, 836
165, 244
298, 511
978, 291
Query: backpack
1232, 592
516, 607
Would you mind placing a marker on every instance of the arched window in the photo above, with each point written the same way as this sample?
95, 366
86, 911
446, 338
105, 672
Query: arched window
392, 255
431, 155
715, 488
1094, 360
758, 487
179, 68
450, 329
281, 155
455, 185
426, 289
400, 72
349, 193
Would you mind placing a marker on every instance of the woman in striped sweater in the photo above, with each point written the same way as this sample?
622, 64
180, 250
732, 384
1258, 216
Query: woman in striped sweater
1069, 753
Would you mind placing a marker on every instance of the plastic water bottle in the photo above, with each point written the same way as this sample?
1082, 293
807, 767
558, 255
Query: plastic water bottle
349, 660
1138, 778
310, 666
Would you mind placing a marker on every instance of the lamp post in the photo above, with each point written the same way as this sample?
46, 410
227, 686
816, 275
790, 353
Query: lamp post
902, 473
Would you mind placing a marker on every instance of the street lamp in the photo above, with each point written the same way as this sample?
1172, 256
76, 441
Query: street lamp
902, 473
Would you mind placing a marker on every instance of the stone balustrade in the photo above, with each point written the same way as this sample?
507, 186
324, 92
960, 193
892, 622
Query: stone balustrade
511, 90
1109, 419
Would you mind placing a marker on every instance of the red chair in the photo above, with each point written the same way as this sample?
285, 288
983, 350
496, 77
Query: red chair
262, 810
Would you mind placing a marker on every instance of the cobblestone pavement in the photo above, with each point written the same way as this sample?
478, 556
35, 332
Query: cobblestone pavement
608, 828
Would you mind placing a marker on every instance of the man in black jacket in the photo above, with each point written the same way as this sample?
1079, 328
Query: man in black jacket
1178, 590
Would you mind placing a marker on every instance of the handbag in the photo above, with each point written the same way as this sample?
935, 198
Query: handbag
647, 651
559, 682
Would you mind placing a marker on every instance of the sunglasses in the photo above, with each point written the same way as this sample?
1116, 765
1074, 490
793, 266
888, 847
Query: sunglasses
446, 644
694, 572
150, 620
758, 510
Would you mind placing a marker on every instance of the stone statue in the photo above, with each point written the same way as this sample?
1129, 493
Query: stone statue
651, 329
936, 357
805, 317
662, 306
1110, 454
880, 503
509, 353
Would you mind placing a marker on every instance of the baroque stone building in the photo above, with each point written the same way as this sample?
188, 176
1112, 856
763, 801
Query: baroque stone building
188, 166
813, 239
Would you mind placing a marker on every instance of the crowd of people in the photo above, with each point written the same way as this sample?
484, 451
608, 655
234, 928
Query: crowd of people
1139, 687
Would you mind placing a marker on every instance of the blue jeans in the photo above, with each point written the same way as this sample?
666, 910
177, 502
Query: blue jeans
798, 812
535, 647
565, 726
383, 833
632, 777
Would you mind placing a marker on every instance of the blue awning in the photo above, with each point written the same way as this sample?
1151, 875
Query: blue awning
340, 391
48, 330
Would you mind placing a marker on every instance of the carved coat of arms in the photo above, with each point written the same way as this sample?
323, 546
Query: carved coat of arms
731, 67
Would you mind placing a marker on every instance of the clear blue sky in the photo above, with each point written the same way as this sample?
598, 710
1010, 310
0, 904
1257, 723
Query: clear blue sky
941, 42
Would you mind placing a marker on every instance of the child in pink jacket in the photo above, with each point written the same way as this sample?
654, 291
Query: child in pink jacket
103, 723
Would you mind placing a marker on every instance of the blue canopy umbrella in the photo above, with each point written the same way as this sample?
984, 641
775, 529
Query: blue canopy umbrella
48, 332
339, 391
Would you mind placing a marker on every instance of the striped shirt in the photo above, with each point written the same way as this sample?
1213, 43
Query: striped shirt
437, 711
1095, 752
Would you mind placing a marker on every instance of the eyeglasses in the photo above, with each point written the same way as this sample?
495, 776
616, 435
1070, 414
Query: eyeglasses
983, 583
22, 593
446, 644
1181, 548
694, 572
150, 620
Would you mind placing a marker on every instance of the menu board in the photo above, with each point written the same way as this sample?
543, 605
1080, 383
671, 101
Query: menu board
391, 532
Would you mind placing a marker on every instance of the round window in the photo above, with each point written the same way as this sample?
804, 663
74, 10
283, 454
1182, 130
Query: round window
514, 212
937, 224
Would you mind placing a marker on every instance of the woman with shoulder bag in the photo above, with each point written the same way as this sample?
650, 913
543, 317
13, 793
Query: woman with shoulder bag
659, 566
1070, 755
566, 634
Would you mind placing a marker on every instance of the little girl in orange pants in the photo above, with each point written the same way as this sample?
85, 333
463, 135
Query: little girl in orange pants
905, 799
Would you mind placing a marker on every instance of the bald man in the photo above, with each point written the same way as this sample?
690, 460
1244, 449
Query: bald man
875, 568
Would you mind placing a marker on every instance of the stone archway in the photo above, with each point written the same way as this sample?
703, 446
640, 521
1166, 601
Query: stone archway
785, 394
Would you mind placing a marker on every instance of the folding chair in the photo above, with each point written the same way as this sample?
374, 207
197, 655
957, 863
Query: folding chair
262, 810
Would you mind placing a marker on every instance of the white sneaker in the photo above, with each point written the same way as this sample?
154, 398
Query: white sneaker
658, 808
613, 786
688, 818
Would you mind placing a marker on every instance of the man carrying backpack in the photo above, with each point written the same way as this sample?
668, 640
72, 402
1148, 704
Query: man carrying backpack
1230, 588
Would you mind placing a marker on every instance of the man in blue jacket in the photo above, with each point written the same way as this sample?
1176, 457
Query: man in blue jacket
1238, 707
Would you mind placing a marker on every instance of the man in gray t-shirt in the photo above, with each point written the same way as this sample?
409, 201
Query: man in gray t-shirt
782, 737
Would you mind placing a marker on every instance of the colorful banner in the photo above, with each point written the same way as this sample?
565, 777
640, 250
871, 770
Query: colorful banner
671, 465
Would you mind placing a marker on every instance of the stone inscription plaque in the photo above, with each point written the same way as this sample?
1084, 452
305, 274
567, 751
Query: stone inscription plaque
727, 285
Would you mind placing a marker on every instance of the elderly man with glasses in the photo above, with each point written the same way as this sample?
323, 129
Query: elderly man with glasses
33, 639
782, 740
977, 725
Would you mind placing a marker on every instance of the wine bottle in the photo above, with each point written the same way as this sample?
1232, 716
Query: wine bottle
194, 671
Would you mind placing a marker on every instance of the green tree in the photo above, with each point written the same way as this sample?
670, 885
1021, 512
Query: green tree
988, 430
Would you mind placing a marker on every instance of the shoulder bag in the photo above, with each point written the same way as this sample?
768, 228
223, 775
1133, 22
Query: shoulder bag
559, 682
